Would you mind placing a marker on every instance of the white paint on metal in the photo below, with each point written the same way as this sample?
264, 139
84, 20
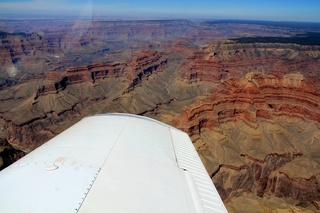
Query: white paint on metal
31, 188
111, 163
201, 186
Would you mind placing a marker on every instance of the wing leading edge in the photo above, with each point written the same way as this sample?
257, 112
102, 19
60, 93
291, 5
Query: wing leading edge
111, 163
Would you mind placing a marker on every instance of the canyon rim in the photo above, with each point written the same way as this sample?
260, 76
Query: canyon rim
248, 95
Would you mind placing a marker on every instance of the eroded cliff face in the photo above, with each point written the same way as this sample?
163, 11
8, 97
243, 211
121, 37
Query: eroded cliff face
222, 60
58, 46
252, 110
32, 48
259, 136
29, 108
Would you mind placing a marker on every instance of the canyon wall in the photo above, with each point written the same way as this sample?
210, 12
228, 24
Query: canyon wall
48, 99
258, 135
251, 108
219, 61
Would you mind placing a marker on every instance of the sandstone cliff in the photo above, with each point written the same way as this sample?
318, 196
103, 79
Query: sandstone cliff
251, 108
219, 61
97, 88
258, 136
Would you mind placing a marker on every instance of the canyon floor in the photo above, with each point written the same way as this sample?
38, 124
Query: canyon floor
247, 93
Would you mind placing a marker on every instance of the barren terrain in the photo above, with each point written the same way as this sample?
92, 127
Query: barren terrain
248, 95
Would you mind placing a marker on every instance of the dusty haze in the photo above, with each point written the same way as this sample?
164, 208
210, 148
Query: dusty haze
247, 93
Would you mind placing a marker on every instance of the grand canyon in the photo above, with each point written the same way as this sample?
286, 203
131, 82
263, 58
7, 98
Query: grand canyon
246, 92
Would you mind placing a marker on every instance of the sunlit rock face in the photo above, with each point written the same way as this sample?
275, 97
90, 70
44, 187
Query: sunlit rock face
219, 61
59, 46
60, 95
259, 135
251, 109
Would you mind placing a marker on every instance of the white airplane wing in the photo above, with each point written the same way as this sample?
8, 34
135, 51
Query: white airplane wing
111, 163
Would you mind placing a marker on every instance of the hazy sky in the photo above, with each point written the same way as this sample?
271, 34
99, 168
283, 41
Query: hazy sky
279, 10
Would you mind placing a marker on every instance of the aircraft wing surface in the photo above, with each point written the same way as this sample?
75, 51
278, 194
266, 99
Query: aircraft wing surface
111, 163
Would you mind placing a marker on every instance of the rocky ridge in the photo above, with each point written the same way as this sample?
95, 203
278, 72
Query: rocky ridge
25, 54
219, 61
252, 109
280, 114
69, 92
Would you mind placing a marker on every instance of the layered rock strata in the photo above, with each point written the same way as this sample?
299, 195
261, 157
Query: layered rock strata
64, 95
220, 61
258, 135
141, 65
257, 132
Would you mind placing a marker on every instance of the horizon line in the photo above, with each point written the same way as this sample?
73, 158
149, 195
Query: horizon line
27, 17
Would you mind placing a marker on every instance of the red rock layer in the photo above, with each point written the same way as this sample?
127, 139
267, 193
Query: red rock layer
238, 119
256, 96
141, 65
15, 47
85, 40
220, 61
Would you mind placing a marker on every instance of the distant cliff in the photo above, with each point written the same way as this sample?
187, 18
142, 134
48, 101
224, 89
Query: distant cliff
219, 61
251, 107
